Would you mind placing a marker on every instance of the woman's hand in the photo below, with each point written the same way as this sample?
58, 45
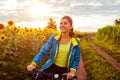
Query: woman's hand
71, 74
31, 67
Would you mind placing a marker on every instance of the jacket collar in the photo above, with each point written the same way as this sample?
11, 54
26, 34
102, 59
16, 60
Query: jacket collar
57, 37
73, 40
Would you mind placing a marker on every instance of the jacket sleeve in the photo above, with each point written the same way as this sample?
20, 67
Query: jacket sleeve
76, 58
43, 51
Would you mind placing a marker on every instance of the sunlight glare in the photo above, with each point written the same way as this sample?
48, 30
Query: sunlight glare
39, 10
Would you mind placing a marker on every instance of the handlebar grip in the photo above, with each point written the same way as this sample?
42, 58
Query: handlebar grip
34, 70
75, 77
64, 77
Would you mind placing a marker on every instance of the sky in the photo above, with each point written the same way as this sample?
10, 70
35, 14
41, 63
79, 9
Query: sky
87, 15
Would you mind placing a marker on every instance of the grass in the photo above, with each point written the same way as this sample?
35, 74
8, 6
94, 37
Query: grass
113, 52
96, 66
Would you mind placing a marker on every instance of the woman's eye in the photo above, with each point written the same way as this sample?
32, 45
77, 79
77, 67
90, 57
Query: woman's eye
65, 23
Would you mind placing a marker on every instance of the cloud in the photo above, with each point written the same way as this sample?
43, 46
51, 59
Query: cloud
88, 7
72, 7
83, 10
10, 9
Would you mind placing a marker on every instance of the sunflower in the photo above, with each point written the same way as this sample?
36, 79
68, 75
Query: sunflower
43, 37
16, 30
31, 30
2, 37
39, 31
39, 37
2, 26
23, 32
10, 22
26, 30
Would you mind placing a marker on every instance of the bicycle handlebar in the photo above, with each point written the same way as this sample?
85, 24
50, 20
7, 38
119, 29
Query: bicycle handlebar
51, 76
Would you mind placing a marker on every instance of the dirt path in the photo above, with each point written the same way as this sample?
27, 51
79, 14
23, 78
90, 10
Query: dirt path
111, 60
81, 73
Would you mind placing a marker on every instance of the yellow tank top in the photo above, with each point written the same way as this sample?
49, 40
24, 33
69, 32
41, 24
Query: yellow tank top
62, 56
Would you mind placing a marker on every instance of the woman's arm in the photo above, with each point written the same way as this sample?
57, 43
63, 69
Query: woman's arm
43, 51
75, 58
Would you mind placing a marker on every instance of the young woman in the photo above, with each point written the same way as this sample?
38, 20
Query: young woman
64, 51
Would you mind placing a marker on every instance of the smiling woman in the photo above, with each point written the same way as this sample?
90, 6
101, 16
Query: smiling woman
39, 10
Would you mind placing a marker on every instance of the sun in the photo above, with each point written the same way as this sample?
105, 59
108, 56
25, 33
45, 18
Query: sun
39, 10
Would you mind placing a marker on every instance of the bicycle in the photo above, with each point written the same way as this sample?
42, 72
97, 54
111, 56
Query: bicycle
51, 76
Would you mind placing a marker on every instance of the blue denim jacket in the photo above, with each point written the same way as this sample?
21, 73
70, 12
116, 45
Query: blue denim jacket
53, 46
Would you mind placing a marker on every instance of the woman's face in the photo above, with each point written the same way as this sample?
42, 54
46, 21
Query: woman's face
65, 26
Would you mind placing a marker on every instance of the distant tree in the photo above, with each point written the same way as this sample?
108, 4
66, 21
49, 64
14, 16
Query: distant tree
117, 21
52, 24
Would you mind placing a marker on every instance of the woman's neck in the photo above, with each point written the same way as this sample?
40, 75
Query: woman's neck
65, 38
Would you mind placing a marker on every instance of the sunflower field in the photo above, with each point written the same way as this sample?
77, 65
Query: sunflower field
17, 47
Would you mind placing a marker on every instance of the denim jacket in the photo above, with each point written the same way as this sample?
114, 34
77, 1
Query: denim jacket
53, 46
